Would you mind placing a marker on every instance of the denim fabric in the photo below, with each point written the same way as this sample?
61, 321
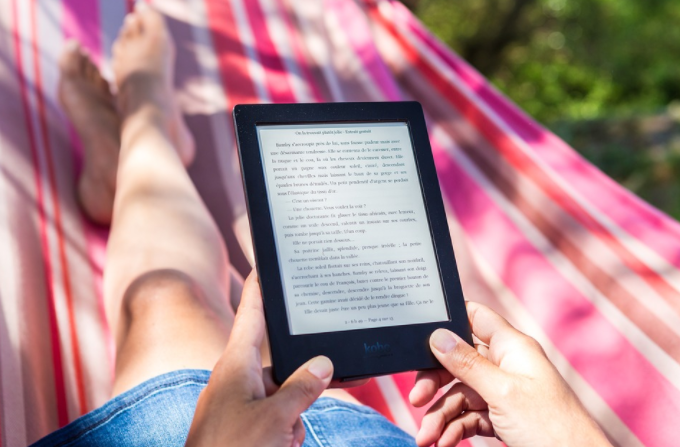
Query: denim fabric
160, 410
334, 423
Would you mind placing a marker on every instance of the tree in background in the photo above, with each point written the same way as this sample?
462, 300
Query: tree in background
603, 74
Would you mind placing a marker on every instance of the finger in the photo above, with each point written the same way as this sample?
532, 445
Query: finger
243, 349
427, 384
460, 398
298, 433
487, 324
303, 387
241, 361
350, 384
467, 425
466, 364
483, 350
270, 387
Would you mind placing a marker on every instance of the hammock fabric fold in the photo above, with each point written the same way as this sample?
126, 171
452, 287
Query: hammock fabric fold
542, 236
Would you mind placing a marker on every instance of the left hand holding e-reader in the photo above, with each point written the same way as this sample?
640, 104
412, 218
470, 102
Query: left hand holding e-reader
350, 236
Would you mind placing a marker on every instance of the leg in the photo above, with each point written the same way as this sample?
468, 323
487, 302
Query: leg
166, 277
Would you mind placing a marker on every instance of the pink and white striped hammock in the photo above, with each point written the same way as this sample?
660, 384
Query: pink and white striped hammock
542, 236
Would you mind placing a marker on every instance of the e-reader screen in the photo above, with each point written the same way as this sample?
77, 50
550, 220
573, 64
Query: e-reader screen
352, 234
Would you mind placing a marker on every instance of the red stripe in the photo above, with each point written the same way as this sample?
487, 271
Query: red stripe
276, 75
650, 226
60, 392
80, 387
79, 19
299, 49
371, 395
231, 57
520, 161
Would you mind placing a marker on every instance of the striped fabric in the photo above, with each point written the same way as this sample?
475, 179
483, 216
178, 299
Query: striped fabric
541, 236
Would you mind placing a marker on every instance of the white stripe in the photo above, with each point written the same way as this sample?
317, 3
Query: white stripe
50, 40
25, 24
210, 88
95, 366
278, 30
255, 68
348, 59
586, 241
606, 258
395, 401
13, 424
310, 14
515, 311
665, 364
652, 259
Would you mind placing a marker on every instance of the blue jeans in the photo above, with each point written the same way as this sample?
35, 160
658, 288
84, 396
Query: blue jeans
159, 412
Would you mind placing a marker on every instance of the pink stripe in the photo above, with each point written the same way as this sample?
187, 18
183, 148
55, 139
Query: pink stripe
81, 21
297, 45
276, 76
514, 153
56, 206
95, 238
404, 383
641, 396
361, 40
59, 386
635, 216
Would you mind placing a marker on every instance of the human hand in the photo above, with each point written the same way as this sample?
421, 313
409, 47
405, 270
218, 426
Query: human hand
241, 405
508, 388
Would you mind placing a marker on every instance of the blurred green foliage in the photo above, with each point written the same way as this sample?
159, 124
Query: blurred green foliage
573, 60
603, 74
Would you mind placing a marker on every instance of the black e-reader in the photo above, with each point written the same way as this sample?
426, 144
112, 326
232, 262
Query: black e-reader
350, 236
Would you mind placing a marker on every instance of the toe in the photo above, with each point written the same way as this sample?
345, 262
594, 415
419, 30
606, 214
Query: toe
70, 61
132, 26
94, 77
91, 71
149, 17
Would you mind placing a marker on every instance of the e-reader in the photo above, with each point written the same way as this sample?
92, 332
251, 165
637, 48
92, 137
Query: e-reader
350, 236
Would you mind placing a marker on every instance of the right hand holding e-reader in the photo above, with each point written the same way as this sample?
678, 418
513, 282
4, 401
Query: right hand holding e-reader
351, 241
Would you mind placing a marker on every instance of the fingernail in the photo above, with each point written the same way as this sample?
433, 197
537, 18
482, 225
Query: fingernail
141, 5
443, 341
321, 367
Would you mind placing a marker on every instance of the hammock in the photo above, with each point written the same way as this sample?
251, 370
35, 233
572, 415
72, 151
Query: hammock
542, 236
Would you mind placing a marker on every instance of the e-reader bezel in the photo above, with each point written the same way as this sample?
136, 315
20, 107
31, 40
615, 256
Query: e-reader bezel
398, 348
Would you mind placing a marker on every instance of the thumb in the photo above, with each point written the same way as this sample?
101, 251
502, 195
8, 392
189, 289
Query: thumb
466, 364
304, 386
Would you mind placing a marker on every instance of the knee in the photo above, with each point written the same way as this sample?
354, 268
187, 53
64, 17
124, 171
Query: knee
159, 291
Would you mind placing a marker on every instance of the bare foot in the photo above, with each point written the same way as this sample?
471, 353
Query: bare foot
143, 65
87, 100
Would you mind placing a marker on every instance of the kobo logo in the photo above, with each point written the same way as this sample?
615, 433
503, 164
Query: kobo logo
377, 350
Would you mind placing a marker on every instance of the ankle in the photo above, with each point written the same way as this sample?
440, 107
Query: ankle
146, 119
141, 90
